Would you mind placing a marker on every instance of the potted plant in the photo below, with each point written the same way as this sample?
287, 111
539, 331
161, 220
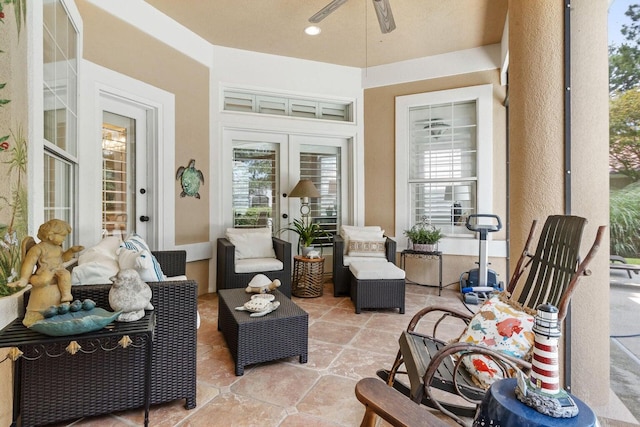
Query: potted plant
424, 237
307, 233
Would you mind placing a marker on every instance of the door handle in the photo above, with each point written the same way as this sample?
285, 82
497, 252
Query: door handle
144, 218
285, 216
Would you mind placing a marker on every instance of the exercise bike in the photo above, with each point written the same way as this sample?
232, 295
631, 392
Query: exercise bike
476, 285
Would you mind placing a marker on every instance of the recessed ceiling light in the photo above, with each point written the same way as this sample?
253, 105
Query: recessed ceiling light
312, 30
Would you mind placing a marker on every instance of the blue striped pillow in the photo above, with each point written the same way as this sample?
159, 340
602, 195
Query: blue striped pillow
136, 243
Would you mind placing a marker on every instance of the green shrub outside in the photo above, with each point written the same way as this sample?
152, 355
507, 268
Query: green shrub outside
624, 220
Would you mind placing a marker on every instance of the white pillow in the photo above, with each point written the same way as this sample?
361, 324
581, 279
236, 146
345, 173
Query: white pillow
251, 242
153, 273
105, 250
94, 273
97, 264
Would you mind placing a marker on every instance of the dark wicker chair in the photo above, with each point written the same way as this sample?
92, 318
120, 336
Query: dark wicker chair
227, 278
554, 270
68, 387
341, 274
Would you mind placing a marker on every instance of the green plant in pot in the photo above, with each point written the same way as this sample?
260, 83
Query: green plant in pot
307, 234
424, 237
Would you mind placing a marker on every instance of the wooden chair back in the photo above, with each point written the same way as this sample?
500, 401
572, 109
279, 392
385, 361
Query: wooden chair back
554, 269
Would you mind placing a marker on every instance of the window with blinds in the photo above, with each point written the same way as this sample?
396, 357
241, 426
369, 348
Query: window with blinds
322, 166
442, 163
281, 105
255, 188
117, 156
60, 111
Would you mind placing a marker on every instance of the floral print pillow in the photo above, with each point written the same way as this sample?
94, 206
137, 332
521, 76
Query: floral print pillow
502, 327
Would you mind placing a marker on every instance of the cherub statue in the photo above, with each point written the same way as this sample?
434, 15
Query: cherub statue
51, 281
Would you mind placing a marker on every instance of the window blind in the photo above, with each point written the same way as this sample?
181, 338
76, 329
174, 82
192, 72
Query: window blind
322, 168
255, 188
442, 163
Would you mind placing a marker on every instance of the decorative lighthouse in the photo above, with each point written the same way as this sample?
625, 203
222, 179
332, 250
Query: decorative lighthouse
542, 389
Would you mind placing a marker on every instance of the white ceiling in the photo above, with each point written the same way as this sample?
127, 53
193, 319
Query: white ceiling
424, 27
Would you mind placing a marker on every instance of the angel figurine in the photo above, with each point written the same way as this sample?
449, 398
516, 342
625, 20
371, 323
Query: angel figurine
51, 281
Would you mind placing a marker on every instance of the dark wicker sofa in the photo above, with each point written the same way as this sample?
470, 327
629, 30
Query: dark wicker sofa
110, 381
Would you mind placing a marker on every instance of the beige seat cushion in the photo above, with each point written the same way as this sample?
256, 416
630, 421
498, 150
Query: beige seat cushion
258, 265
364, 270
347, 260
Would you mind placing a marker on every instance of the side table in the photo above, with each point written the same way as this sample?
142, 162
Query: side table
307, 277
425, 255
91, 393
500, 406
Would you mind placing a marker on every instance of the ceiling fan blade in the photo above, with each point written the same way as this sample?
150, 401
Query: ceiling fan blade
326, 11
385, 16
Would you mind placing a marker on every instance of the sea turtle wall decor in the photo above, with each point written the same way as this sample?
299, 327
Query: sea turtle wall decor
190, 179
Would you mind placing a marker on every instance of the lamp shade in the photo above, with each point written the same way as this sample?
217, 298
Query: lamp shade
304, 188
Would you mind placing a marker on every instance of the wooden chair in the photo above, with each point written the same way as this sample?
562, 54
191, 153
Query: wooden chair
392, 406
553, 272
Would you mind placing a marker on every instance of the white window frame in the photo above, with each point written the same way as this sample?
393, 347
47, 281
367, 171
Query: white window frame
36, 146
483, 95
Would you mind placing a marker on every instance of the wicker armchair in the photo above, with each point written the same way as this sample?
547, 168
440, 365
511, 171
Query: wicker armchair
68, 387
341, 273
552, 273
227, 278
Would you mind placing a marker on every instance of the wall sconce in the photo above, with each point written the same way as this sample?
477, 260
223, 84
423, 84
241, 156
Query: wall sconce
304, 189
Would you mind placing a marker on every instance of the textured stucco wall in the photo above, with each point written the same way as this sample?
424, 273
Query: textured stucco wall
536, 146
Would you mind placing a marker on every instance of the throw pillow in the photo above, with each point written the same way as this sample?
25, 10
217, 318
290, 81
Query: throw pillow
373, 247
251, 242
368, 232
501, 325
151, 272
97, 264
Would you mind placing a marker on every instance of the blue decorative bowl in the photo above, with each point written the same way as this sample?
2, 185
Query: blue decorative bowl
77, 322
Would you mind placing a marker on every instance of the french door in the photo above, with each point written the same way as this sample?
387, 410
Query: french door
266, 166
125, 190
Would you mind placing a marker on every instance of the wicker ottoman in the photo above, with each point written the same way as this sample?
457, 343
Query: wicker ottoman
279, 334
377, 285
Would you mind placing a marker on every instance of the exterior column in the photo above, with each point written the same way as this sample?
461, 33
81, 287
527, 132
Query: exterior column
536, 161
589, 338
536, 111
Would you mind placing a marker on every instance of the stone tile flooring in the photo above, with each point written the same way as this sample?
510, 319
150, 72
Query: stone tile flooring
343, 348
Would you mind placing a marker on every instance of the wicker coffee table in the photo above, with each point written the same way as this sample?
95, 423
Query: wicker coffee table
279, 334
